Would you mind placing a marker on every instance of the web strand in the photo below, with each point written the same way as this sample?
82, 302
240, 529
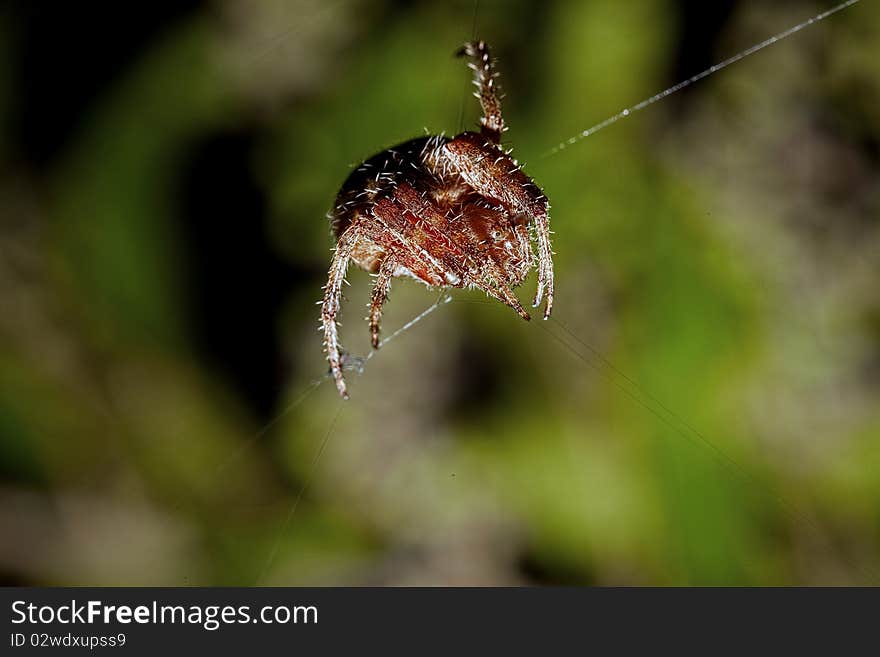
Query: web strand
629, 111
441, 301
682, 428
466, 94
305, 485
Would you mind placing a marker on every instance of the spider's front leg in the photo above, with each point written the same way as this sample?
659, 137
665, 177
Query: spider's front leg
380, 295
330, 304
495, 175
485, 78
545, 264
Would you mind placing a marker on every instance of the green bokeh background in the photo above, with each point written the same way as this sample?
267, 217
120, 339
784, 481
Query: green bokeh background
702, 409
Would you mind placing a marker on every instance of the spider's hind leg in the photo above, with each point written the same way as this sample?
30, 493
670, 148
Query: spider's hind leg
330, 304
485, 79
380, 296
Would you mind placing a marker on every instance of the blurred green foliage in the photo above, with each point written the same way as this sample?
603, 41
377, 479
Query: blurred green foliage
702, 408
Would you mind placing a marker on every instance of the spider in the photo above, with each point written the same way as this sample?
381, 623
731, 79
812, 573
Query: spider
450, 212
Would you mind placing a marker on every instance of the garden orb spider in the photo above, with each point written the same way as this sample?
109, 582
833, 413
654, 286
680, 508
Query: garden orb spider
450, 212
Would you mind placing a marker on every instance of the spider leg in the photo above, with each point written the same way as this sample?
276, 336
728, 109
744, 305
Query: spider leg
380, 295
413, 247
485, 77
330, 304
545, 264
495, 175
489, 274
483, 271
